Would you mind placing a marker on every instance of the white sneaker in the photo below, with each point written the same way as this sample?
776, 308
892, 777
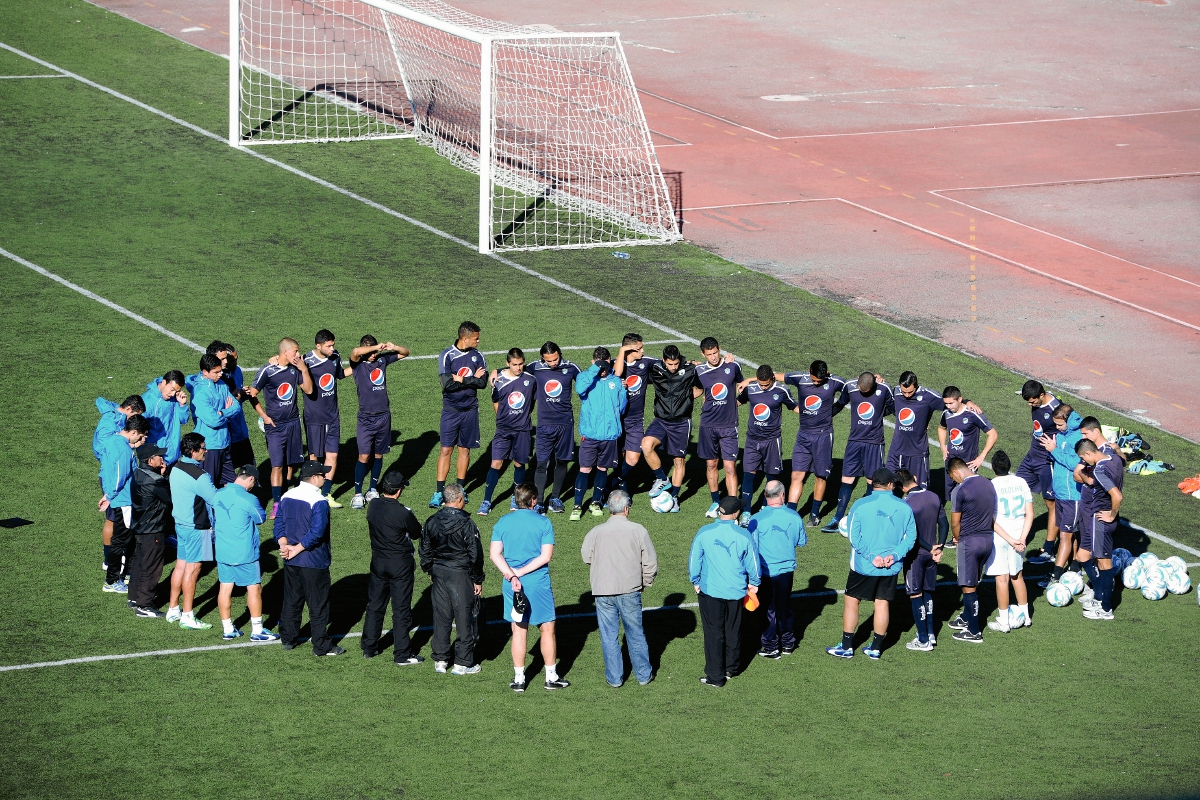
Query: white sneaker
1088, 594
1097, 613
659, 486
371, 495
933, 640
440, 666
174, 615
1090, 604
459, 669
917, 644
358, 501
999, 625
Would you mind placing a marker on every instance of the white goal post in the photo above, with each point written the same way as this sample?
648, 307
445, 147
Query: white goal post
550, 121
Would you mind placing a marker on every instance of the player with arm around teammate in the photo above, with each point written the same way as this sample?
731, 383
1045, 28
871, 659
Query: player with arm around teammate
1014, 518
513, 399
764, 442
603, 399
1061, 550
816, 392
112, 422
1103, 477
673, 380
717, 381
958, 434
870, 400
555, 439
920, 565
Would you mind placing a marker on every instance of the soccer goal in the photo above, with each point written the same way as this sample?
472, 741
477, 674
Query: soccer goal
550, 121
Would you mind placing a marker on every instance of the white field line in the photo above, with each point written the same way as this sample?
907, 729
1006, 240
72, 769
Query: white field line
26, 77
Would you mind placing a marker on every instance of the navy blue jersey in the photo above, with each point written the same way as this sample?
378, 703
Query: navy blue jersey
816, 402
554, 391
911, 437
720, 394
962, 432
516, 397
926, 508
463, 363
635, 387
1108, 474
866, 412
766, 409
321, 407
370, 378
975, 499
1043, 425
279, 388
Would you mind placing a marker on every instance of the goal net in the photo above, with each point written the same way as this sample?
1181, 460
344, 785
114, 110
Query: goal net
549, 121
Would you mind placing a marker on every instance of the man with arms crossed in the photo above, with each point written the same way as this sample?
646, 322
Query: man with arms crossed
513, 398
392, 528
462, 373
322, 418
303, 539
452, 554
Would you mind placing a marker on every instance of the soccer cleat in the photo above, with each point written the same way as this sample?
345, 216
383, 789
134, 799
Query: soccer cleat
871, 652
117, 587
484, 508
466, 497
560, 683
1097, 613
517, 686
840, 652
145, 612
358, 501
660, 486
411, 661
333, 503
576, 514
233, 634
333, 651
917, 644
460, 670
597, 510
264, 635
745, 520
957, 624
831, 526
436, 500
714, 511
967, 636
730, 676
194, 624
706, 682
999, 625
812, 520
274, 509
288, 646
771, 653
440, 667
371, 495
174, 615
555, 505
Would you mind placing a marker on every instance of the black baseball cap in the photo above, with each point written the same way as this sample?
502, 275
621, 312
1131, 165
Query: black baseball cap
883, 476
730, 505
311, 468
247, 470
149, 450
392, 481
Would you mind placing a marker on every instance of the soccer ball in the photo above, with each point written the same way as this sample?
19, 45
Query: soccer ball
1058, 594
663, 502
1073, 581
1175, 563
1121, 559
1178, 582
1152, 591
1155, 576
1133, 575
1148, 558
844, 526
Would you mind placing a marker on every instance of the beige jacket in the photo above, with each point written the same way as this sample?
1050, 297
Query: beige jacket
621, 556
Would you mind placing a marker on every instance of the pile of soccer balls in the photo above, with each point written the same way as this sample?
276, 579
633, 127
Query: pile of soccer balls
1156, 577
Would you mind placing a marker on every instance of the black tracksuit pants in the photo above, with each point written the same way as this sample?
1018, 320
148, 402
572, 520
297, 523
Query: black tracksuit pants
721, 621
454, 601
391, 578
306, 585
120, 549
147, 568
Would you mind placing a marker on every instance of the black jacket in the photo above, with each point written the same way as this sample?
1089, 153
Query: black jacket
451, 539
151, 496
391, 525
673, 399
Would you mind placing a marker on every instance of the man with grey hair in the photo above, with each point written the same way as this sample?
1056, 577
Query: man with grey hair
452, 553
623, 563
777, 531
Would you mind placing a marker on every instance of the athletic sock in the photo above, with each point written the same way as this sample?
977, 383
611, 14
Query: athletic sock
581, 482
358, 482
173, 609
660, 474
360, 473
327, 486
1050, 548
792, 506
1057, 572
929, 611
626, 468
188, 616
1093, 572
971, 611
844, 493
674, 490
518, 674
918, 611
1104, 593
227, 625
376, 468
552, 672
276, 493
518, 475
560, 475
1075, 566
256, 625
848, 640
539, 481
716, 496
493, 477
747, 490
600, 487
877, 641
1023, 608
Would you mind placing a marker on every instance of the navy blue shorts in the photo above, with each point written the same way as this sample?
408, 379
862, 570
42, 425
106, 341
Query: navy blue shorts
633, 435
555, 440
675, 436
1066, 515
598, 453
920, 572
714, 443
219, 466
1038, 471
1096, 536
763, 454
813, 452
460, 428
374, 433
973, 552
862, 459
283, 443
323, 437
917, 465
516, 445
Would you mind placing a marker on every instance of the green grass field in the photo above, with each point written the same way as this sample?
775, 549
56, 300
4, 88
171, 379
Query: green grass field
213, 243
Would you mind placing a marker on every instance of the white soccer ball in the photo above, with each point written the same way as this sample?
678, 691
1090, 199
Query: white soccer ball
1073, 581
663, 503
1155, 576
1058, 594
1152, 591
1133, 575
1179, 583
1175, 563
1148, 558
844, 526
